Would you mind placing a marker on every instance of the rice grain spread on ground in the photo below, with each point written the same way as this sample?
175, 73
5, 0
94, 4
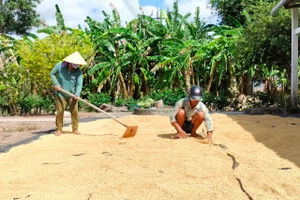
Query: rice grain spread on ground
253, 157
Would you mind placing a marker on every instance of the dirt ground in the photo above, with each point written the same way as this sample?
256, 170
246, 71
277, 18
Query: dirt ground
252, 157
12, 132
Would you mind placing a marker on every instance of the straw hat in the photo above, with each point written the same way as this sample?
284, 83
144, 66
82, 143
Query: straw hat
75, 58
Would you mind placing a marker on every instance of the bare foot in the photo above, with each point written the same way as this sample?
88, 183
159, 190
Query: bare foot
76, 132
58, 132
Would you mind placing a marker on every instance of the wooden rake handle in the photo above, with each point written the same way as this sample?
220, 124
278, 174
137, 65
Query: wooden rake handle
93, 106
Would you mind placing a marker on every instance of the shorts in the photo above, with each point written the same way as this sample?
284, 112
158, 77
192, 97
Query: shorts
188, 126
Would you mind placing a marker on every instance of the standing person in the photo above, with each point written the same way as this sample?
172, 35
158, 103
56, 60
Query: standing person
67, 75
189, 113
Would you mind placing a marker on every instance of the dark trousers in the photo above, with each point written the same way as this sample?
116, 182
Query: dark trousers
188, 126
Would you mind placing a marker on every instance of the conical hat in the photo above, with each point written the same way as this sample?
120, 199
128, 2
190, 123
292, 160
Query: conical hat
75, 58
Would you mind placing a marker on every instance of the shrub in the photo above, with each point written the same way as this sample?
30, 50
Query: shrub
169, 97
4, 105
96, 99
129, 103
26, 104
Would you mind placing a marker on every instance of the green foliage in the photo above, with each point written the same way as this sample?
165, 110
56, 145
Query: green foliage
4, 105
233, 9
169, 97
96, 99
47, 105
35, 104
60, 27
99, 98
2, 86
145, 103
28, 103
18, 17
120, 102
129, 103
15, 81
260, 99
267, 39
226, 9
148, 56
59, 19
216, 102
40, 57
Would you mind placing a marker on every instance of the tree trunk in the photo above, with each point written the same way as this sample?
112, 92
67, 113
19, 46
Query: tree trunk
211, 77
117, 92
146, 84
1, 63
188, 74
245, 85
13, 57
209, 84
192, 71
123, 86
233, 85
34, 88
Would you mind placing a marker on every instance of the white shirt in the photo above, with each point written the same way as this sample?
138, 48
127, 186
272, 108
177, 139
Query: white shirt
184, 103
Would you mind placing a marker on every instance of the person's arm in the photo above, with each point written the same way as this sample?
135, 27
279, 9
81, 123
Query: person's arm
207, 123
53, 74
173, 119
78, 86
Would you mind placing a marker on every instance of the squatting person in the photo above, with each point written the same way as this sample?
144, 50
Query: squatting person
189, 113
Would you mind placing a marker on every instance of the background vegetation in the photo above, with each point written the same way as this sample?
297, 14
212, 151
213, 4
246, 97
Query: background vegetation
151, 58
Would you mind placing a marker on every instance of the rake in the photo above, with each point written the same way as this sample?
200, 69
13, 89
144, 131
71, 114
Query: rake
130, 130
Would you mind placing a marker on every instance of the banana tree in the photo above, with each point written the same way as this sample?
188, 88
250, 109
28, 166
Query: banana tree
111, 61
7, 51
150, 33
60, 27
175, 22
178, 54
224, 65
109, 57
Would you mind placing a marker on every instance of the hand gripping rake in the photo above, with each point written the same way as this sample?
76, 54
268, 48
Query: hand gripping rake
130, 130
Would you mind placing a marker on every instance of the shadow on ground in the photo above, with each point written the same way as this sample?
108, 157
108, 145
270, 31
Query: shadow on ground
36, 136
280, 133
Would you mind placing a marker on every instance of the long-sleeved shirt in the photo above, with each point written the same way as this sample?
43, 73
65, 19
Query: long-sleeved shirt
184, 103
69, 80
